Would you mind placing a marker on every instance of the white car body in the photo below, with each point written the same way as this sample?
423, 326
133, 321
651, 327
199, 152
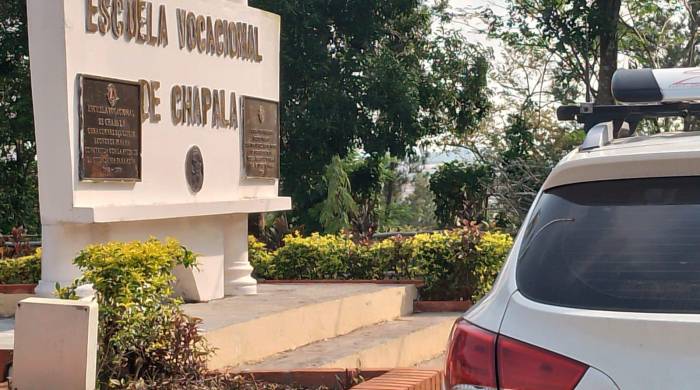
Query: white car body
622, 349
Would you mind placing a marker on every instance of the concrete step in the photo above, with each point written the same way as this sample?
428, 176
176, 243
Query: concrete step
405, 342
288, 316
436, 363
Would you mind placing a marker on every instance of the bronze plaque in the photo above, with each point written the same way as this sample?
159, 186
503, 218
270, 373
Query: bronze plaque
261, 138
194, 169
110, 130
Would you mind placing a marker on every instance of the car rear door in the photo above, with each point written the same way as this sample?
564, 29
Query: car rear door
609, 275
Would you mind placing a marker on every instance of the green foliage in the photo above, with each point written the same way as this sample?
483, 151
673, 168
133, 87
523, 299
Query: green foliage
143, 335
461, 192
443, 260
21, 270
259, 257
374, 75
339, 205
454, 265
414, 211
368, 176
18, 168
314, 257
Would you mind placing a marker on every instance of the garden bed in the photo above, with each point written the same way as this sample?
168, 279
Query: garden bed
18, 279
441, 306
20, 271
417, 283
11, 294
456, 265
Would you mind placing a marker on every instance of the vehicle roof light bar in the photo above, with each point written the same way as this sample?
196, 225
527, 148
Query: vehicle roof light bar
650, 94
656, 85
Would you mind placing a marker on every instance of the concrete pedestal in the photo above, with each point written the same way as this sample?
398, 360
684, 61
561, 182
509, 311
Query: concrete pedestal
221, 243
55, 344
237, 268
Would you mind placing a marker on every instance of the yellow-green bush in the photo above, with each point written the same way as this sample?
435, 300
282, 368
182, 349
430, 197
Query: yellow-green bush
22, 270
492, 251
260, 258
313, 257
454, 265
391, 258
441, 262
144, 337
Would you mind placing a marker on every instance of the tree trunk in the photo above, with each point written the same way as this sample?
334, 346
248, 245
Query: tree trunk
609, 17
389, 188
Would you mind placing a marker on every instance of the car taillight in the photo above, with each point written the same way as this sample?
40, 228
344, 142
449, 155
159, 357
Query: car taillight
471, 358
522, 366
479, 359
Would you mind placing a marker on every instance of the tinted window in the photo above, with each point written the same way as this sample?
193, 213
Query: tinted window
629, 245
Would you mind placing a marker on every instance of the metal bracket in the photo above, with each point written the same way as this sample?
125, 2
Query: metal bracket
599, 136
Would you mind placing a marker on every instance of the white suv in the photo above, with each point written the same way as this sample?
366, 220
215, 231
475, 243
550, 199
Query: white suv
602, 288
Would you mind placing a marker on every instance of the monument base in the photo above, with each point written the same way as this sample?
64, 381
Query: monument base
220, 242
47, 288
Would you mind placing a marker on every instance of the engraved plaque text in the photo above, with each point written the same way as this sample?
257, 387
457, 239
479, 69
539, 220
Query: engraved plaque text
261, 138
110, 130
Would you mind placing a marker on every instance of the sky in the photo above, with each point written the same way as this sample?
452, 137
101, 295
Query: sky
497, 6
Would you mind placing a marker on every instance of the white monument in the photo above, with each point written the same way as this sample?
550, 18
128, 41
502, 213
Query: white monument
155, 118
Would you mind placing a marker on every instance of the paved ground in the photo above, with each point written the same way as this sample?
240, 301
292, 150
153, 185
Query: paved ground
7, 333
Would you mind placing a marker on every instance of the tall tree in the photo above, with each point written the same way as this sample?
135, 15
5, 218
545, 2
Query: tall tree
368, 75
339, 205
660, 33
581, 34
18, 180
607, 13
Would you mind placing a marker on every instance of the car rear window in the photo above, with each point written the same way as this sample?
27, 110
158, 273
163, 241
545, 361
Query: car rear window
626, 245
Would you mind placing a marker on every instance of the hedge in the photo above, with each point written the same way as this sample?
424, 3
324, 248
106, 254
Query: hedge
22, 270
455, 265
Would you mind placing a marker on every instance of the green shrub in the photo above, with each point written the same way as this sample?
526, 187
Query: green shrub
364, 264
392, 258
144, 337
492, 250
443, 261
313, 257
22, 270
458, 264
461, 192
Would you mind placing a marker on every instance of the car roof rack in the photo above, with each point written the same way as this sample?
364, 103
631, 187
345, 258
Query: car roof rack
591, 115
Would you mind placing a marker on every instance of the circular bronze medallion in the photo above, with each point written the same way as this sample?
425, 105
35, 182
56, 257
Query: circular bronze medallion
194, 169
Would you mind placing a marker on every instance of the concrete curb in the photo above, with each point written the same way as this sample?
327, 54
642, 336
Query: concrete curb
405, 379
